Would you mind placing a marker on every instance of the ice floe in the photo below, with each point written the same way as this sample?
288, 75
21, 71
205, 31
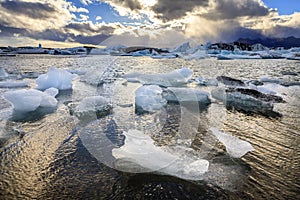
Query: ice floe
139, 154
235, 147
29, 100
57, 78
149, 98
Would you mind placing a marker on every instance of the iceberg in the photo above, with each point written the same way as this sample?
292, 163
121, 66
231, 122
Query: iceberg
29, 100
95, 106
57, 78
148, 98
235, 147
139, 149
199, 54
13, 84
183, 48
174, 78
173, 94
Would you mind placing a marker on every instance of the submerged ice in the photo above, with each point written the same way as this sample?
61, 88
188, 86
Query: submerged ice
235, 147
139, 149
94, 106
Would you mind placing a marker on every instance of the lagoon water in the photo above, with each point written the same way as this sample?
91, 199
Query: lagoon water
53, 155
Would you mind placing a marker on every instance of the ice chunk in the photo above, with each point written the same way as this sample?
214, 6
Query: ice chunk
269, 80
95, 106
52, 91
3, 73
234, 146
149, 98
29, 100
174, 94
248, 100
13, 84
261, 89
58, 78
207, 81
174, 78
139, 149
230, 81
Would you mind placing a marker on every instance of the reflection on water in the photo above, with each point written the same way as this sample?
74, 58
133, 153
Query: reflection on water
54, 156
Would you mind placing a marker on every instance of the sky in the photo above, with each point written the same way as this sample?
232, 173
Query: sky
156, 23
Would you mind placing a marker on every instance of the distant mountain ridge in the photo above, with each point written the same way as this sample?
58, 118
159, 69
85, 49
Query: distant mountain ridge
287, 43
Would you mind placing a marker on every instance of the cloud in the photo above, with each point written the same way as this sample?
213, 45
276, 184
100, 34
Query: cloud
175, 9
86, 2
30, 9
98, 18
232, 9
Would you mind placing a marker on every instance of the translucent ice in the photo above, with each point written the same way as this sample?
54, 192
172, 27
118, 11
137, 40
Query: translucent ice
57, 78
234, 146
95, 106
139, 149
149, 98
29, 100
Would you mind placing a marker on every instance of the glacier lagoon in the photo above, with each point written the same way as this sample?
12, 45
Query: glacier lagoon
53, 154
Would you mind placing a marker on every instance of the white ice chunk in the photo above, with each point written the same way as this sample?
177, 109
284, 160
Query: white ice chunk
93, 106
174, 78
13, 84
58, 78
29, 100
149, 98
234, 146
139, 148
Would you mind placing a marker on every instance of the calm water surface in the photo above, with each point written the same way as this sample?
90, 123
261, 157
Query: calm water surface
53, 155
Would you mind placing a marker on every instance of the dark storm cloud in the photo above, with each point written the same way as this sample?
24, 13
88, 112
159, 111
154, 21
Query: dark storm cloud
30, 9
7, 31
86, 27
95, 39
231, 9
131, 4
175, 9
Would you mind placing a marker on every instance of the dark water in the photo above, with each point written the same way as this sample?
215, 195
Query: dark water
46, 155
